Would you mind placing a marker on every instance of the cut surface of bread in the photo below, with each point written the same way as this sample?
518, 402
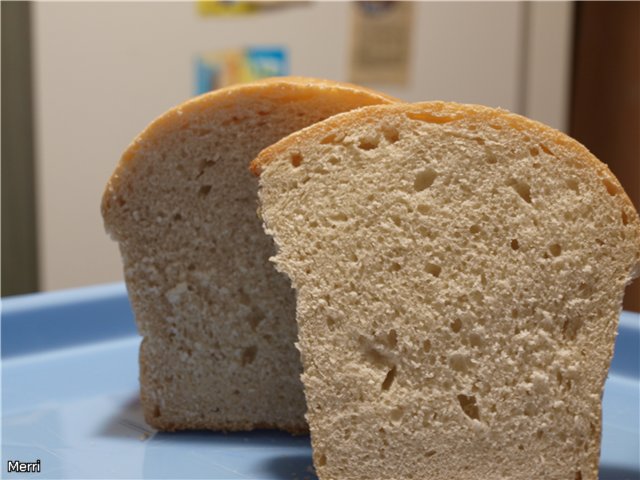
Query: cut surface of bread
459, 274
218, 322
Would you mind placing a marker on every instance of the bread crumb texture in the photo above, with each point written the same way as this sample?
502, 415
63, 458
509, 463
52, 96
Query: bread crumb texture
459, 273
218, 321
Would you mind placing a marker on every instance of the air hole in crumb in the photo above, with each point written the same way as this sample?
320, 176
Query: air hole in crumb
322, 460
332, 139
368, 143
625, 219
177, 217
243, 298
474, 229
426, 345
545, 149
388, 380
456, 325
612, 188
584, 290
423, 209
491, 158
331, 323
539, 434
573, 185
529, 409
425, 232
522, 188
254, 319
392, 338
121, 201
396, 414
520, 447
495, 126
514, 244
459, 362
570, 327
334, 160
249, 355
555, 249
339, 217
431, 117
534, 151
396, 220
424, 179
475, 340
469, 406
296, 159
206, 164
578, 475
479, 141
391, 134
156, 411
395, 267
204, 190
433, 269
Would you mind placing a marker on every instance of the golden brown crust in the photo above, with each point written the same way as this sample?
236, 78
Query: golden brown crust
449, 113
284, 89
433, 112
169, 426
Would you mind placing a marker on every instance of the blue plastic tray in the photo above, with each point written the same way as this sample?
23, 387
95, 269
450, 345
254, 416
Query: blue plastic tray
70, 399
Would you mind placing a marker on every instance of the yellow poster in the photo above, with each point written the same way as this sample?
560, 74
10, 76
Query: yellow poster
219, 7
381, 42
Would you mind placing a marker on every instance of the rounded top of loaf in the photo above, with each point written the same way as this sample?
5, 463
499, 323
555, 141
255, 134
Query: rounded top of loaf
451, 115
436, 112
280, 90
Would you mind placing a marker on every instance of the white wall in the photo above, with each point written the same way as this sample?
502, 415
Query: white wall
105, 70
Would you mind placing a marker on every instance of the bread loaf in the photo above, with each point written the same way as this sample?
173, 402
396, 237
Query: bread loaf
459, 274
217, 320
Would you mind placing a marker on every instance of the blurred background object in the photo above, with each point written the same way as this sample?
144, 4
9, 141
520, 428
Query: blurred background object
381, 42
19, 234
86, 78
223, 68
605, 102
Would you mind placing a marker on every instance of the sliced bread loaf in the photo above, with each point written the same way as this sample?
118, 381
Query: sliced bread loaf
218, 322
459, 274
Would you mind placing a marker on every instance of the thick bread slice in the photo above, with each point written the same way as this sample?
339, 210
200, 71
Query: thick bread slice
459, 274
218, 322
